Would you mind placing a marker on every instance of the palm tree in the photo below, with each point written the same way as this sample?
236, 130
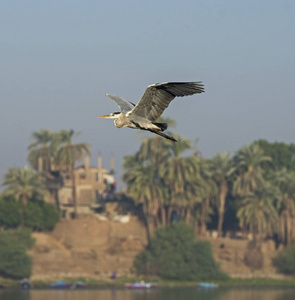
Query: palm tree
141, 180
258, 213
68, 154
23, 183
285, 181
154, 149
250, 161
222, 168
41, 150
178, 173
208, 191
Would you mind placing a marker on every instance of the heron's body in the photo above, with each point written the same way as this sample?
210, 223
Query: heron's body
150, 107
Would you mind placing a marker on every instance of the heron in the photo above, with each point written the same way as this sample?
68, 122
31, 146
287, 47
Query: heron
150, 107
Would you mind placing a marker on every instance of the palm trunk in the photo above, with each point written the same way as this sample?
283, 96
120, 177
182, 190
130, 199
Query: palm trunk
74, 192
169, 214
289, 223
203, 218
181, 213
147, 222
188, 216
156, 214
163, 215
222, 197
25, 203
54, 194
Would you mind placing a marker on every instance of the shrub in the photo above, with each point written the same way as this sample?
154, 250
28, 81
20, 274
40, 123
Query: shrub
10, 213
173, 254
50, 215
40, 216
285, 260
21, 236
14, 262
33, 216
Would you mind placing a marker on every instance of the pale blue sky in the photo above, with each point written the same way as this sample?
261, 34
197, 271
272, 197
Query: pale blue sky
58, 59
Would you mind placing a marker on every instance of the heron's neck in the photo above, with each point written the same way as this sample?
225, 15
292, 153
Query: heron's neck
120, 121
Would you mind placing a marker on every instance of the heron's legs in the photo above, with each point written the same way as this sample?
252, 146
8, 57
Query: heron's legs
171, 138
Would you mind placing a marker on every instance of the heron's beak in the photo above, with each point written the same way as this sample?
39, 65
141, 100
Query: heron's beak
104, 117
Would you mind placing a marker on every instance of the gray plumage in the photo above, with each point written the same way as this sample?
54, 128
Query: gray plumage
150, 107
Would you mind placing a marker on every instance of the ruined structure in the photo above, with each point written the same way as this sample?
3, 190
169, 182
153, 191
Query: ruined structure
93, 186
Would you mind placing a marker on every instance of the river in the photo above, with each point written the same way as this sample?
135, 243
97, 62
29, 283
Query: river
184, 293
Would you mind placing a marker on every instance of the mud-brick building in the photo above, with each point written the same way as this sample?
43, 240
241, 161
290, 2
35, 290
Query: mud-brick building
93, 184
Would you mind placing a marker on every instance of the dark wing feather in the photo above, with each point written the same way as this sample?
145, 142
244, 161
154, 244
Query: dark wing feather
122, 103
158, 96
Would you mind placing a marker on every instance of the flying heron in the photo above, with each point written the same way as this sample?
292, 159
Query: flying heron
151, 105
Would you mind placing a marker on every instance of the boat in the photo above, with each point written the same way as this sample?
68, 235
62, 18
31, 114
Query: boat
207, 285
141, 285
66, 285
78, 285
25, 284
60, 285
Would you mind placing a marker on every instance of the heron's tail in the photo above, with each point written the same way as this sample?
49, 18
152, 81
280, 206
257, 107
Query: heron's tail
162, 126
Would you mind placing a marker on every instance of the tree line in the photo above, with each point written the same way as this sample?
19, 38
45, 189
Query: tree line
172, 180
252, 190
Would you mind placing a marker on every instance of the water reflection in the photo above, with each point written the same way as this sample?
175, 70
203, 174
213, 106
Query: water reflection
155, 294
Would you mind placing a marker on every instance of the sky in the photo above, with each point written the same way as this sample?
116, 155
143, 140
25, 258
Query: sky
58, 59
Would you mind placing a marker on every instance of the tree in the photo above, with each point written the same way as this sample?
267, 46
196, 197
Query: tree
258, 213
222, 168
179, 174
23, 184
41, 150
142, 185
285, 260
282, 155
10, 213
207, 190
174, 254
250, 161
285, 181
14, 262
68, 154
40, 216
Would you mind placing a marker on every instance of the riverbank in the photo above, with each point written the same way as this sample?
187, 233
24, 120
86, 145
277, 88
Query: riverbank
88, 247
120, 283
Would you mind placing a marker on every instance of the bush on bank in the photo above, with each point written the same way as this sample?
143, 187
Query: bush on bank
173, 254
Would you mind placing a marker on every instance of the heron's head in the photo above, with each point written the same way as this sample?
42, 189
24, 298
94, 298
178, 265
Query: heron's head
114, 115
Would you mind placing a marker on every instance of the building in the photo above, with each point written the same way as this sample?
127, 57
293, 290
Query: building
93, 186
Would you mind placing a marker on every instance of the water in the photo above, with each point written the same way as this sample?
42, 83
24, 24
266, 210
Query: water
155, 294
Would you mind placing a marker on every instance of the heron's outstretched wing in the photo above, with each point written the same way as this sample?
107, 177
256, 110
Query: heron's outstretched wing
158, 96
122, 103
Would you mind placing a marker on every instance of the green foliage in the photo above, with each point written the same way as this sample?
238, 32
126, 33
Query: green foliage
21, 236
50, 216
282, 155
173, 254
285, 260
40, 216
23, 183
14, 262
10, 213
